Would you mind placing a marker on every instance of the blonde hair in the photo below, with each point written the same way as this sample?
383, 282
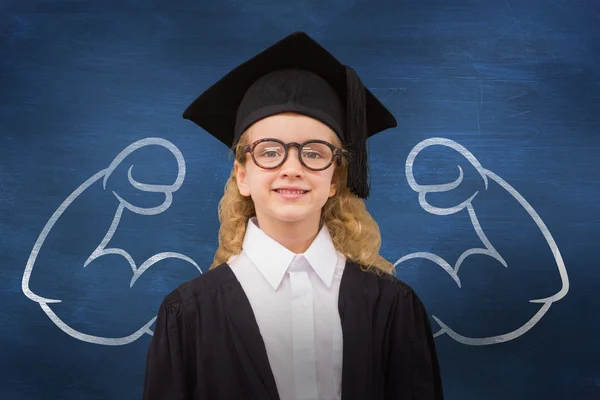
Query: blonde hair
353, 230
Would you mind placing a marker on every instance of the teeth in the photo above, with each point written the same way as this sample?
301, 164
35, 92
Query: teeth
286, 191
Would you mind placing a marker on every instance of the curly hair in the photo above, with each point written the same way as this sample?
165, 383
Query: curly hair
353, 230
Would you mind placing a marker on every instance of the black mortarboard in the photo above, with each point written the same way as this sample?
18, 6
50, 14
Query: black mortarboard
298, 75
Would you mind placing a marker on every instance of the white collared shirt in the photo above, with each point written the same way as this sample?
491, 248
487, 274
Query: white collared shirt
294, 298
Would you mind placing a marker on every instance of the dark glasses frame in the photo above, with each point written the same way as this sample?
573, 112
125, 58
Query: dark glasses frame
336, 152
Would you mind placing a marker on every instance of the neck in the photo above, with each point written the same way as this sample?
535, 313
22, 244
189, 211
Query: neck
295, 236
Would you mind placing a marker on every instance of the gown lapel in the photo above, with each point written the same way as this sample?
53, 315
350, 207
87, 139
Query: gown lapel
248, 341
354, 316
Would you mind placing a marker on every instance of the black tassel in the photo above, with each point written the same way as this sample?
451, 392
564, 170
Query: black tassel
356, 135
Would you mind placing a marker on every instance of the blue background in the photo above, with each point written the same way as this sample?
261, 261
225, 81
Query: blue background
515, 83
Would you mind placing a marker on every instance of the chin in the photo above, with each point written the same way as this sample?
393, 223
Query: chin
289, 216
290, 213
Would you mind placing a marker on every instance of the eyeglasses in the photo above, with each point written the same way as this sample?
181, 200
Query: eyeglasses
316, 155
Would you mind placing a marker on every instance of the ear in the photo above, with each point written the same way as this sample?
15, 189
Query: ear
332, 189
333, 186
241, 176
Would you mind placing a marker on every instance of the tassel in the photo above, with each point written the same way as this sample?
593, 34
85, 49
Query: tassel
356, 135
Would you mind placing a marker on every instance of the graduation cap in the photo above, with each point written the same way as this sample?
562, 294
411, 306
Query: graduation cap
296, 74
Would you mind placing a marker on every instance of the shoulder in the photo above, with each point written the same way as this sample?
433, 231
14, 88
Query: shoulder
372, 278
380, 290
207, 282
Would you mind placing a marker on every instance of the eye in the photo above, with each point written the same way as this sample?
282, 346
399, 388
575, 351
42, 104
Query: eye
270, 152
311, 154
315, 151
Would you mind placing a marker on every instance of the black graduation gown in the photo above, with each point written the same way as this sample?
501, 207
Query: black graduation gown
207, 344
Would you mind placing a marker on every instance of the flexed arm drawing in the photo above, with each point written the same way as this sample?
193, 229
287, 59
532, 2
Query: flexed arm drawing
487, 249
103, 249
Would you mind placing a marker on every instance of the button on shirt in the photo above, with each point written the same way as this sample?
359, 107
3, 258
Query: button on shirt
294, 298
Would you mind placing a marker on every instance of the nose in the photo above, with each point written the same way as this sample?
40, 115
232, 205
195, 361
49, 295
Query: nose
292, 165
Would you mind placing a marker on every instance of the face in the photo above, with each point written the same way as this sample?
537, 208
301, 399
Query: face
273, 204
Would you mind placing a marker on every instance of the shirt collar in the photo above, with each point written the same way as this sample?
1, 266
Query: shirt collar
272, 259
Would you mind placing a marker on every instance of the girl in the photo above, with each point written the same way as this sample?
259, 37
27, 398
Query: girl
297, 304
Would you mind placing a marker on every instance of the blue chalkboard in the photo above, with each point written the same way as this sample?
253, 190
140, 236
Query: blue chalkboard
487, 193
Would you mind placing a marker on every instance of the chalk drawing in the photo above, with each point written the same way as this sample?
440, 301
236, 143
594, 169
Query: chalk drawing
488, 249
103, 249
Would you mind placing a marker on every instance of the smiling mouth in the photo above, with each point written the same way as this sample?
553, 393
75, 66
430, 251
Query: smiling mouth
290, 191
